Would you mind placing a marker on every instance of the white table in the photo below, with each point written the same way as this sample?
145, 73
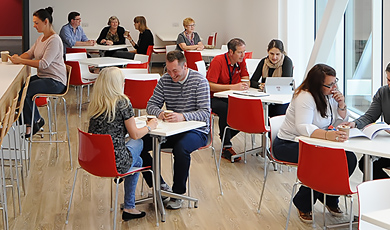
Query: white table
379, 218
106, 61
159, 135
167, 37
102, 47
209, 52
12, 78
147, 76
378, 147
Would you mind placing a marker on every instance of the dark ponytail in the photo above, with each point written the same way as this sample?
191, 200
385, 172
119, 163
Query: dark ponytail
45, 13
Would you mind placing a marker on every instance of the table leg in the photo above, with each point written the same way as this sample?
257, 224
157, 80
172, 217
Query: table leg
367, 168
157, 140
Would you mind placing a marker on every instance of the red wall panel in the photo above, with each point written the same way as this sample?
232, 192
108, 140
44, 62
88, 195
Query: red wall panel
11, 18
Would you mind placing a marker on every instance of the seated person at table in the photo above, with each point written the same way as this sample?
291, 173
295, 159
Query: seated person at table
380, 106
45, 55
225, 73
315, 106
72, 34
112, 35
110, 112
276, 64
187, 94
189, 39
145, 40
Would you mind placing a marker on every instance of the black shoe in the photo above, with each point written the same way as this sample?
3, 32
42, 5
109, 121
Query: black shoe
38, 125
128, 216
119, 181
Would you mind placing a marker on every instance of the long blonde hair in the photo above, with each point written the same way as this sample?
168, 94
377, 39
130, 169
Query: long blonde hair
107, 91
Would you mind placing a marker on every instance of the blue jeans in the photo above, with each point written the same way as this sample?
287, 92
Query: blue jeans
135, 147
38, 85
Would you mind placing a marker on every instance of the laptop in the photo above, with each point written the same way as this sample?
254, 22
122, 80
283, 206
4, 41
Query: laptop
279, 85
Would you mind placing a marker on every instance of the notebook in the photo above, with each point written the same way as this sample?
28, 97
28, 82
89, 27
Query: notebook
250, 94
279, 85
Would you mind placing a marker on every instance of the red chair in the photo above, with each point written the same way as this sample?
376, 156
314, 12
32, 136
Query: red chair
75, 50
192, 57
274, 123
248, 55
325, 170
139, 92
97, 156
145, 65
212, 40
245, 115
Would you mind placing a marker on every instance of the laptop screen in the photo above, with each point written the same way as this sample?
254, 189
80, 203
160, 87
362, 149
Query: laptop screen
279, 85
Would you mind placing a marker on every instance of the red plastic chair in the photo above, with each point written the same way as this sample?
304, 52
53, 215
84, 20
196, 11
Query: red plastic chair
192, 57
75, 50
212, 40
245, 115
97, 156
248, 55
139, 92
325, 170
145, 65
274, 123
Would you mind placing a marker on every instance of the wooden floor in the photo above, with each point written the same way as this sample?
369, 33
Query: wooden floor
50, 180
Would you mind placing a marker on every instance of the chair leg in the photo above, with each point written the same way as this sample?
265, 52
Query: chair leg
71, 196
323, 212
4, 192
264, 183
217, 168
116, 204
291, 200
67, 134
155, 198
313, 223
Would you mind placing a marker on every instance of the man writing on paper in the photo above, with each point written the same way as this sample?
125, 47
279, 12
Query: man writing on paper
72, 34
186, 92
226, 72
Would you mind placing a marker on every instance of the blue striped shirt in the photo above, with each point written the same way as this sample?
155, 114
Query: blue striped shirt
192, 98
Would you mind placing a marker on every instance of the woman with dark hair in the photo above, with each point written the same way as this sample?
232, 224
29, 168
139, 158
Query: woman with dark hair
47, 56
316, 105
276, 64
145, 39
112, 35
380, 106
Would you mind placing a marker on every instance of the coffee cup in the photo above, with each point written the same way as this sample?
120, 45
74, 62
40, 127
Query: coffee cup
126, 33
344, 128
4, 56
167, 112
150, 117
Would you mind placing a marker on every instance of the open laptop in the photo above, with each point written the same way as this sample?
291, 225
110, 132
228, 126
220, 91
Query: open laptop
279, 85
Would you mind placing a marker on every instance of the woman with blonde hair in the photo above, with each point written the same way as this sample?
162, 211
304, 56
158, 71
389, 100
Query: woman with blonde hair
189, 39
112, 35
110, 112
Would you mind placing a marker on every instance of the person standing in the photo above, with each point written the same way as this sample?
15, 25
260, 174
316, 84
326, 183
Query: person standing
72, 34
225, 73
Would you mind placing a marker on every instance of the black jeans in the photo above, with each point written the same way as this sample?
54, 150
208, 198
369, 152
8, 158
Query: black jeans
220, 107
38, 85
377, 167
288, 151
183, 145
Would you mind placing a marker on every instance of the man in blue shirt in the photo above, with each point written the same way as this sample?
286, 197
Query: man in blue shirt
72, 34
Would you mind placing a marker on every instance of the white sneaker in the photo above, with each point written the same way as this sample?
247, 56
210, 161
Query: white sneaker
165, 187
174, 203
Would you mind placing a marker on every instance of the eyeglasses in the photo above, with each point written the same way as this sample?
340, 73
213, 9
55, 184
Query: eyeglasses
192, 25
77, 19
332, 84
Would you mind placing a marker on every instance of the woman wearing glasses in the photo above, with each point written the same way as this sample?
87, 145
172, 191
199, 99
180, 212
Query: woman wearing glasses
189, 39
316, 105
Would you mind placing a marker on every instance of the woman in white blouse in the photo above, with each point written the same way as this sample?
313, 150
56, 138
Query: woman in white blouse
316, 106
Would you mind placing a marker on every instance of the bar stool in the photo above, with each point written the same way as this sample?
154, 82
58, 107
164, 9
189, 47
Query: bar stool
53, 130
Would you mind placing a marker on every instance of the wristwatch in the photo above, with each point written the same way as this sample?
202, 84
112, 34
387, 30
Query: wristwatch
342, 109
149, 129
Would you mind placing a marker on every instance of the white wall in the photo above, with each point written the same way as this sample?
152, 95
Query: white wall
253, 20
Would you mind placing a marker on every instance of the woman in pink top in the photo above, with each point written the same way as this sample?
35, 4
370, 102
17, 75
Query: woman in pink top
47, 56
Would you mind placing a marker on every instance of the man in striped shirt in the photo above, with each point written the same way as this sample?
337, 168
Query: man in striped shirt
186, 92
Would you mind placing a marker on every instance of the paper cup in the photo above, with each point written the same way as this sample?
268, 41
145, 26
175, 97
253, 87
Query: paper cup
344, 128
126, 33
4, 56
150, 117
167, 112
